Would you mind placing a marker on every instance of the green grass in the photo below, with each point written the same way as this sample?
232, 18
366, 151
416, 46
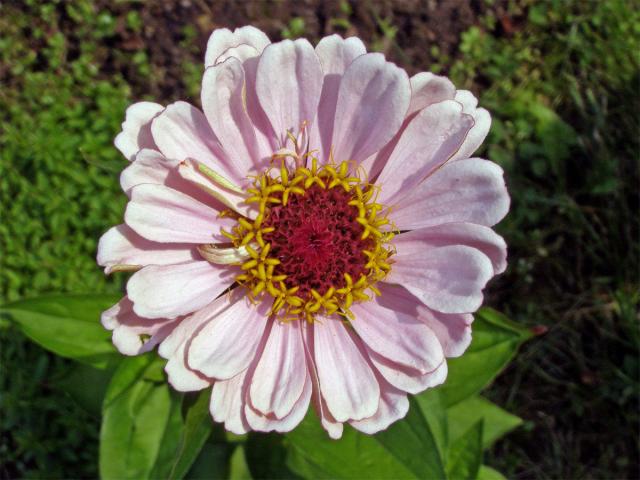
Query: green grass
562, 85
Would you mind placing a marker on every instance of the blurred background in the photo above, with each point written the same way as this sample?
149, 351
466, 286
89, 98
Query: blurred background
561, 79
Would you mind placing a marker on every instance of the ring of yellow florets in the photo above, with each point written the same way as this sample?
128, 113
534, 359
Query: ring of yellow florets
260, 273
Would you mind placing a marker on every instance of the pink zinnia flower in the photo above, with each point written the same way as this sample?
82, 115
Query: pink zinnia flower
318, 235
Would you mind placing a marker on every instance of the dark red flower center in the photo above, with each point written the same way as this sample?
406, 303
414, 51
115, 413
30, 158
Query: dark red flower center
317, 240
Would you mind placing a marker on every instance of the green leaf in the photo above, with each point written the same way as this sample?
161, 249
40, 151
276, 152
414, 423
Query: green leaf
497, 422
495, 341
238, 468
196, 430
139, 422
465, 454
488, 473
266, 455
212, 462
436, 416
407, 449
87, 386
67, 325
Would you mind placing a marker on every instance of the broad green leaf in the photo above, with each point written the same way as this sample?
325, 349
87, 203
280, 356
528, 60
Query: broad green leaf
196, 430
212, 462
130, 371
171, 440
238, 468
87, 386
495, 342
488, 473
465, 454
436, 416
67, 325
407, 449
266, 455
139, 419
497, 422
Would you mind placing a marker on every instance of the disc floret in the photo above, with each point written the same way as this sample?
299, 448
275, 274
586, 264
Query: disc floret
319, 242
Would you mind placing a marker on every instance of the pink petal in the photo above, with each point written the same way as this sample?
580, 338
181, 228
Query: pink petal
174, 348
481, 127
348, 384
136, 133
227, 403
242, 52
407, 379
226, 345
181, 377
452, 330
333, 427
187, 327
122, 246
288, 84
427, 89
223, 90
393, 406
128, 327
470, 234
471, 190
269, 423
335, 54
148, 166
223, 39
182, 131
281, 373
173, 290
431, 138
372, 103
447, 279
266, 139
162, 214
397, 336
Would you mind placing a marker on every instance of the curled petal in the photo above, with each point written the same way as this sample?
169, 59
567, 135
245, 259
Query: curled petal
407, 379
269, 423
427, 89
120, 246
223, 39
132, 334
227, 403
481, 127
136, 129
148, 166
427, 143
393, 406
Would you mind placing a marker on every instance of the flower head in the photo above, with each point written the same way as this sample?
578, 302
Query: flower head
317, 234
